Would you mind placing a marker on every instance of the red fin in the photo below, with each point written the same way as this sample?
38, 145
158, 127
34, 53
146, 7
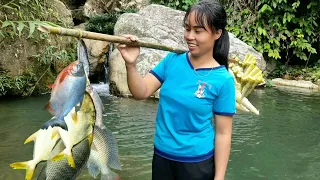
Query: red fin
64, 73
49, 108
51, 86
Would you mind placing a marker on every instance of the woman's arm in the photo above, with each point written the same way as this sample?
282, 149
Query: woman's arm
222, 145
140, 87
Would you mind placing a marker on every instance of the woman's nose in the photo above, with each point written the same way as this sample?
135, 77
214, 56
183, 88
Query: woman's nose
189, 35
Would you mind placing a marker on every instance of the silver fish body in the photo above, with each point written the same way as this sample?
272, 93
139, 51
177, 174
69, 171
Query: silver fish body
61, 170
103, 155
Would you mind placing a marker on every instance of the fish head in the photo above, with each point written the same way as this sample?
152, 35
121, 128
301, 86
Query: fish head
77, 69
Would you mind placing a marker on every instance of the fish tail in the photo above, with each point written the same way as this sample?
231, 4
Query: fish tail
93, 168
110, 176
54, 122
32, 137
68, 156
24, 165
49, 108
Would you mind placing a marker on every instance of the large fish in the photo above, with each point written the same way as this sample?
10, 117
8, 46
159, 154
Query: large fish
67, 93
76, 131
43, 145
61, 170
103, 155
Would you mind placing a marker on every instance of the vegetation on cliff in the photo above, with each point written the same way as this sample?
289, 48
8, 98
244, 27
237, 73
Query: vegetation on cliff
30, 60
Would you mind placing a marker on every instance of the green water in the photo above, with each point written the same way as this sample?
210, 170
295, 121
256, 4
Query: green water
283, 143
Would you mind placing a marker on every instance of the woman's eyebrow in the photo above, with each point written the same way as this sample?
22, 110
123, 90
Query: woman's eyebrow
198, 27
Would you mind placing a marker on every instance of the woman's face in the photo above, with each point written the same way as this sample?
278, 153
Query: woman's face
200, 39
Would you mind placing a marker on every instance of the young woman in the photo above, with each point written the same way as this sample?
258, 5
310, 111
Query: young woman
195, 88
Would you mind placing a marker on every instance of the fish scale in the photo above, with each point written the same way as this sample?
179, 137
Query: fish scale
61, 170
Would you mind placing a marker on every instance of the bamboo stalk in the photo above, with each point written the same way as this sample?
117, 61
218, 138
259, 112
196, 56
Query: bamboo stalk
104, 37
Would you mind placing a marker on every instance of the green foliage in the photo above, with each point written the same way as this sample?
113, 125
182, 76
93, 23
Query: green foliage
52, 55
18, 85
19, 26
297, 72
19, 20
25, 84
22, 14
182, 5
280, 29
104, 23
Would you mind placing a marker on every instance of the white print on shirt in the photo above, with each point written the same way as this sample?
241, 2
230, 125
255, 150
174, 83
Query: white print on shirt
200, 93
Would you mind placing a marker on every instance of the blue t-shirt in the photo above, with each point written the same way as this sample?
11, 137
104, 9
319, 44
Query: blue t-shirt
188, 100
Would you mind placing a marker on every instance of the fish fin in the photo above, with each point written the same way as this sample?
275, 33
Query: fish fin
55, 133
93, 168
90, 139
78, 106
69, 158
49, 108
63, 75
55, 123
74, 117
51, 86
32, 137
110, 176
24, 165
94, 147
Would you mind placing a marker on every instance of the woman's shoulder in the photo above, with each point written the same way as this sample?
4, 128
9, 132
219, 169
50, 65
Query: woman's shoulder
173, 55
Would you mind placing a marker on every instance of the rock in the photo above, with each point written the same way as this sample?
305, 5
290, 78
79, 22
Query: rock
163, 25
318, 82
240, 49
94, 7
62, 11
97, 56
295, 83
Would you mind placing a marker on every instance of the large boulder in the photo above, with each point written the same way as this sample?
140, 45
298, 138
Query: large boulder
94, 7
163, 25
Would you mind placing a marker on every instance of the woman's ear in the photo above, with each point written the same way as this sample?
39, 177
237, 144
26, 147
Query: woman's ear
217, 34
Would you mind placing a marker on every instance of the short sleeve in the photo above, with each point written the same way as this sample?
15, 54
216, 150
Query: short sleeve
159, 71
225, 103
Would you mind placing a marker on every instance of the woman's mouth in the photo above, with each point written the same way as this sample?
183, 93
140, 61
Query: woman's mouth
192, 46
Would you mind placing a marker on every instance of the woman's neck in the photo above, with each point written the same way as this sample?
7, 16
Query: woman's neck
205, 61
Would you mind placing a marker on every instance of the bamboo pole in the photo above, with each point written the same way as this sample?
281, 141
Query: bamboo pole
104, 37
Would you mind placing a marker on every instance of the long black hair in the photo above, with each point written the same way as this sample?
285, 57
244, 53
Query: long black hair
212, 13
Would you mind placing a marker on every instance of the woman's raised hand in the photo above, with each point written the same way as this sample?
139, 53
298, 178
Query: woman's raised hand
129, 53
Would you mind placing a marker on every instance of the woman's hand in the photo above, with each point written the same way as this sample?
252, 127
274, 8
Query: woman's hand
129, 53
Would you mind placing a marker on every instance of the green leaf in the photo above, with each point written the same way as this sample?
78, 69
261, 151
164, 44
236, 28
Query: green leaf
32, 27
265, 9
20, 27
260, 30
8, 7
5, 24
13, 27
1, 34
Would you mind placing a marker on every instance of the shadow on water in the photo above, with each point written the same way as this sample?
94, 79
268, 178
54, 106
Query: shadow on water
281, 143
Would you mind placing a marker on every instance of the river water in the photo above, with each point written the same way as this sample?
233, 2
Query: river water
282, 143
